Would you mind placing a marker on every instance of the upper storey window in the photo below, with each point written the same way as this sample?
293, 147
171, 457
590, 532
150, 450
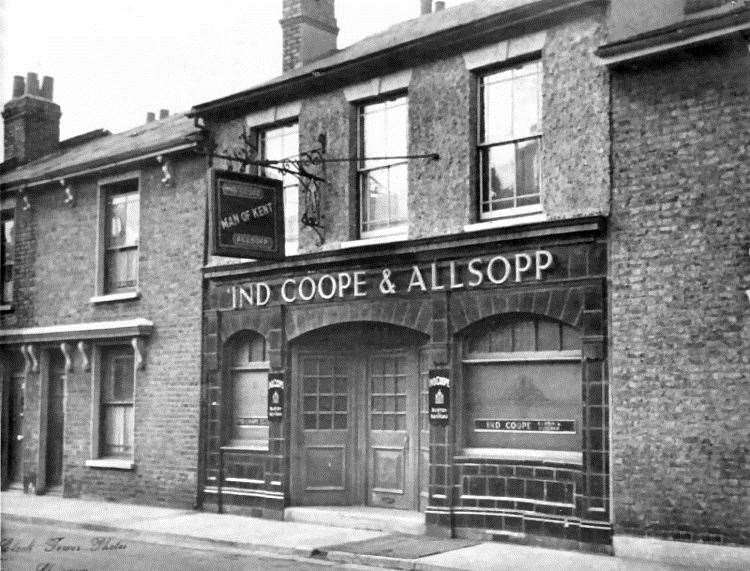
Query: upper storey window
383, 183
121, 236
7, 256
282, 142
510, 140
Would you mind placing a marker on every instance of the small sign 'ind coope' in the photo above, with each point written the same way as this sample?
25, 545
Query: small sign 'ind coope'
247, 216
439, 396
525, 425
275, 396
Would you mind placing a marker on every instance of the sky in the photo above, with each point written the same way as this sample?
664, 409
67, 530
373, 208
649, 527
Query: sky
113, 61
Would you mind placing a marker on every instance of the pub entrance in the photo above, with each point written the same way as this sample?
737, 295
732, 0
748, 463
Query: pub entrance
356, 419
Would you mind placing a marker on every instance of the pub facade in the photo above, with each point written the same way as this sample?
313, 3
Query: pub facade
436, 341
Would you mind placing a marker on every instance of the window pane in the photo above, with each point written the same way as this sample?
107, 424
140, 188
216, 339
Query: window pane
527, 170
6, 260
122, 220
524, 336
117, 431
375, 199
526, 106
546, 391
499, 176
121, 267
8, 234
249, 406
497, 105
375, 141
283, 143
397, 184
118, 375
397, 129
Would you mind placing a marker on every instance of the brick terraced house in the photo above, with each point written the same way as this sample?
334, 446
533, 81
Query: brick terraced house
509, 300
99, 338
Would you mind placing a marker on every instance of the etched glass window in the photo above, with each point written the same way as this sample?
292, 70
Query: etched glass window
247, 396
522, 385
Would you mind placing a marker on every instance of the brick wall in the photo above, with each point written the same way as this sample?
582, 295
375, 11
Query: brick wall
56, 262
679, 235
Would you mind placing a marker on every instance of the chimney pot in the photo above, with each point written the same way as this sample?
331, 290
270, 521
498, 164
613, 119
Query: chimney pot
439, 5
426, 7
150, 116
163, 113
19, 86
47, 87
32, 83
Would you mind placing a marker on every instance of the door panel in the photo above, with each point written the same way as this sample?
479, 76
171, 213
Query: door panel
325, 396
424, 431
393, 438
15, 429
55, 422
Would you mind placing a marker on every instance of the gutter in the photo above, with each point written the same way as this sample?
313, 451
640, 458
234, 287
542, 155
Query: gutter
451, 40
105, 164
675, 37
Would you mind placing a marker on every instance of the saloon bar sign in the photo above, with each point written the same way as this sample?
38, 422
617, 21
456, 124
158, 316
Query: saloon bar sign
247, 217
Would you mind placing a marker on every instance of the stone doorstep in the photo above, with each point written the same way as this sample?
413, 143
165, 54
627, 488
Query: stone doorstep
384, 562
360, 517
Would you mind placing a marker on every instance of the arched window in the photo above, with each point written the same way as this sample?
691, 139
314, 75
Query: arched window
522, 387
246, 394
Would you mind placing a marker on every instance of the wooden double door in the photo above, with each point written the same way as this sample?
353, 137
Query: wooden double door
356, 408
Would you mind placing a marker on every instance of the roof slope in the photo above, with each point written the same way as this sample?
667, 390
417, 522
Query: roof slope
398, 34
149, 138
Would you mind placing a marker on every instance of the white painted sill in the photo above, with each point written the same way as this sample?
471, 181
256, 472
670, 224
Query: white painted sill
506, 222
374, 240
111, 464
558, 457
6, 308
112, 297
245, 448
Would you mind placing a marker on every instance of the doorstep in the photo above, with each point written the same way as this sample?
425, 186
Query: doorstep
359, 517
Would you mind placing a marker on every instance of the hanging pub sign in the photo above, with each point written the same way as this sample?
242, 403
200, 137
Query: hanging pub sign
246, 216
275, 396
439, 396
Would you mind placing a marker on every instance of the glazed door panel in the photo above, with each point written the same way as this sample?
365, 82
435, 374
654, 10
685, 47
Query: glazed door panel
393, 443
325, 394
55, 424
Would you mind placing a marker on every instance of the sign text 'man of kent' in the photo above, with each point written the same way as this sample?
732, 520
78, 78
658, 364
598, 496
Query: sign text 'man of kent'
247, 217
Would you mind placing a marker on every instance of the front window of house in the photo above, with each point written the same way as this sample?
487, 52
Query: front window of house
510, 140
383, 182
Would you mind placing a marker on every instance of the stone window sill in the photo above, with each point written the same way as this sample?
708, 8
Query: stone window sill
374, 240
506, 222
111, 463
6, 308
113, 297
555, 456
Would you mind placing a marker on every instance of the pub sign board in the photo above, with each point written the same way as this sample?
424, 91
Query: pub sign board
275, 396
246, 216
439, 396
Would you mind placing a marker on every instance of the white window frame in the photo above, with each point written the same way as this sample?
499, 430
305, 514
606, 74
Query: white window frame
7, 212
530, 212
291, 243
392, 232
97, 460
100, 294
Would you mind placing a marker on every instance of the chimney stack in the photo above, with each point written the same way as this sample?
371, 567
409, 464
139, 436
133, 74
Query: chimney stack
439, 5
32, 119
150, 116
425, 7
163, 114
309, 31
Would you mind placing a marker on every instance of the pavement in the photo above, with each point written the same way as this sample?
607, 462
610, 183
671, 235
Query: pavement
207, 530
